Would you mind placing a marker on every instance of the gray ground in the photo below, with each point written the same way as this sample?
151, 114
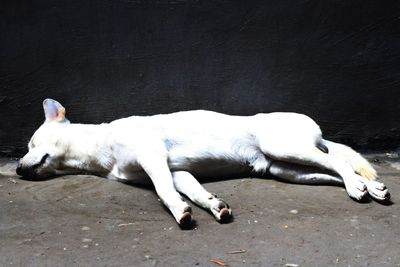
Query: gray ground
90, 221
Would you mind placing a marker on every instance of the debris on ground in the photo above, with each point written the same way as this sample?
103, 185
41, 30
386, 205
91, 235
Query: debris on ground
237, 251
220, 263
125, 224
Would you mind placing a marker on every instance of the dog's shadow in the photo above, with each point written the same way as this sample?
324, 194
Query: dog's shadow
148, 185
34, 179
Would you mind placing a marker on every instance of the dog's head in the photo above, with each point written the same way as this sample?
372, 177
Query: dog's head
46, 148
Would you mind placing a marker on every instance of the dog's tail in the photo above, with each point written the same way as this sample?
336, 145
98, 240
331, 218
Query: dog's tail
359, 164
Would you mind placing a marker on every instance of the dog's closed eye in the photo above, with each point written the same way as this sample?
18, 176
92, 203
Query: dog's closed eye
42, 161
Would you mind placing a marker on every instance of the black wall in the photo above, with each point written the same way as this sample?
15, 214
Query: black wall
337, 61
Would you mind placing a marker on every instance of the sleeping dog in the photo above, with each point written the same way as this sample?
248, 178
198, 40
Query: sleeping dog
172, 149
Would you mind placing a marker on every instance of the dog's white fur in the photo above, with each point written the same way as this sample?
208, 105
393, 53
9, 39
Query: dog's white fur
174, 148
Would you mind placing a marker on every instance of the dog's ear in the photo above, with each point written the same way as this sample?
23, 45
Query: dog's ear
53, 111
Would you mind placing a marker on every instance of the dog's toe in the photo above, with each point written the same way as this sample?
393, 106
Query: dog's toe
361, 187
376, 184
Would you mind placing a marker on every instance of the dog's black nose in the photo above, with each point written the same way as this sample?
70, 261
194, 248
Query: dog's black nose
19, 169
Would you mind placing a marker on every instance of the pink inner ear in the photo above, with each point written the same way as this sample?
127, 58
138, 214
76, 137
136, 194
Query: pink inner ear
51, 110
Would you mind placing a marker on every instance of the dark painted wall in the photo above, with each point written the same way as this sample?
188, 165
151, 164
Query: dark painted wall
337, 61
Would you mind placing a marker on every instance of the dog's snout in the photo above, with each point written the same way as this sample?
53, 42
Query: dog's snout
23, 170
27, 170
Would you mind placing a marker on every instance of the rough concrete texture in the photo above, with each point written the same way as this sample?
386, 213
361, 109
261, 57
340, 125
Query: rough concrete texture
91, 221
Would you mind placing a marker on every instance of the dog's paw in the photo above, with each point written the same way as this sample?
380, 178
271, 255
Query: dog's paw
221, 211
357, 190
378, 190
186, 220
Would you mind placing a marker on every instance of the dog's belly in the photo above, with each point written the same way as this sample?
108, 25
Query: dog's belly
211, 168
204, 170
214, 161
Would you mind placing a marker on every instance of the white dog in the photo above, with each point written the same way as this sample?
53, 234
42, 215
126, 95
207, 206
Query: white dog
173, 149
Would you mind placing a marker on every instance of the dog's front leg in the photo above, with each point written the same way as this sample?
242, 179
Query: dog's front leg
188, 185
157, 169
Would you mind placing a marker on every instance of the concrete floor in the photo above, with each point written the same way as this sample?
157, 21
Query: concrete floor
91, 221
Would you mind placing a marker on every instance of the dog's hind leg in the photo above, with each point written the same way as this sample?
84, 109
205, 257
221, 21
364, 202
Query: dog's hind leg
157, 169
301, 174
361, 166
356, 185
188, 185
307, 153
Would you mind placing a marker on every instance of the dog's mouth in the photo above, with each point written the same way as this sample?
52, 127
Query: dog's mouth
32, 172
